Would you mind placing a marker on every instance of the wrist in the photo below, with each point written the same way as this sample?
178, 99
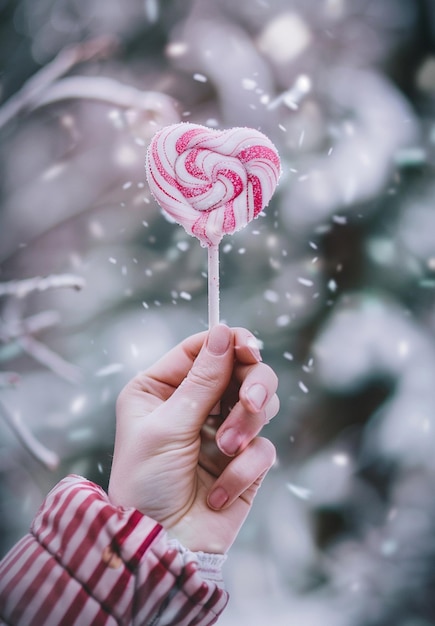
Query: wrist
196, 539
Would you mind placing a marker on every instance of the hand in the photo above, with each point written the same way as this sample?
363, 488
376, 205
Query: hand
196, 475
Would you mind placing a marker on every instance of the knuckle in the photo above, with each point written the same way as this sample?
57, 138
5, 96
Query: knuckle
206, 377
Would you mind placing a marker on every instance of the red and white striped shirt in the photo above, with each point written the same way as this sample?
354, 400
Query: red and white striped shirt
86, 562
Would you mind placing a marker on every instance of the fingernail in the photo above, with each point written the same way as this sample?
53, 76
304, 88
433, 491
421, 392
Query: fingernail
252, 344
256, 395
218, 340
218, 498
229, 442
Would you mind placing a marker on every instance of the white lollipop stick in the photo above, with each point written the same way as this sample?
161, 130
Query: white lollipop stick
213, 285
213, 298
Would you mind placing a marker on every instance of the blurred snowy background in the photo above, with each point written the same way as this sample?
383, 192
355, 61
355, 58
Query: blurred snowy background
337, 281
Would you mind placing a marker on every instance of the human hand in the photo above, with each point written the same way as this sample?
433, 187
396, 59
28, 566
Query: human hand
169, 460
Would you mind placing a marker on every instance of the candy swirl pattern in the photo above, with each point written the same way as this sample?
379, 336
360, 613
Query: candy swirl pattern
212, 182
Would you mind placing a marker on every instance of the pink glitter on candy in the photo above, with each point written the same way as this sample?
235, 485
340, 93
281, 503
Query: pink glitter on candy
183, 142
259, 152
257, 194
192, 166
229, 219
234, 179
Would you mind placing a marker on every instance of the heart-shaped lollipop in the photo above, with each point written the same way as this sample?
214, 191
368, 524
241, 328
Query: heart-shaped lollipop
212, 182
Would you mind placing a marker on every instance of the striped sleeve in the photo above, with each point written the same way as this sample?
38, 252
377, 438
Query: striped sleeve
86, 562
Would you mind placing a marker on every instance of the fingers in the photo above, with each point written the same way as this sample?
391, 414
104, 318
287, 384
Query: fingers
192, 377
257, 405
246, 346
205, 382
243, 475
170, 370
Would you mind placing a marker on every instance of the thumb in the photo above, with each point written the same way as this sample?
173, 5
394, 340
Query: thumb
202, 388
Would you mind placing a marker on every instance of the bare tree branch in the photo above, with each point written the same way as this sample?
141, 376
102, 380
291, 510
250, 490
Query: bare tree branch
47, 457
66, 59
29, 326
44, 355
21, 288
21, 330
110, 91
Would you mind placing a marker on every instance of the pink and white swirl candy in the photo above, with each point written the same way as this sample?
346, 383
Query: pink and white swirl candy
212, 182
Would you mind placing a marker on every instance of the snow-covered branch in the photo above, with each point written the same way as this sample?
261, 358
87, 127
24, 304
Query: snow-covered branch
38, 451
67, 58
22, 288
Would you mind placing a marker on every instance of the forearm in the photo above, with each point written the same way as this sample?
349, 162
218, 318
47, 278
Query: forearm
90, 562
